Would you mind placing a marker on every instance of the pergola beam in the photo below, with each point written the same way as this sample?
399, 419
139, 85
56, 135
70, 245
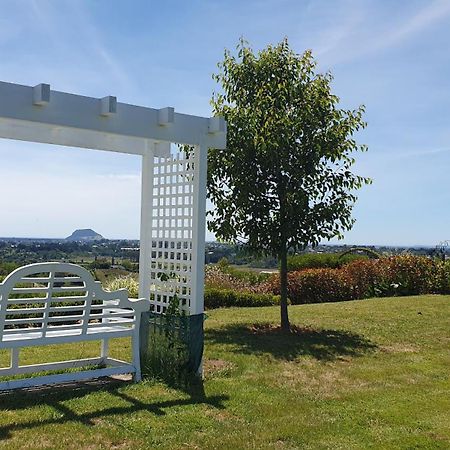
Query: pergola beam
23, 130
98, 123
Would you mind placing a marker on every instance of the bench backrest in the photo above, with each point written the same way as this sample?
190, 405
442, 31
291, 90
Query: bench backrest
64, 297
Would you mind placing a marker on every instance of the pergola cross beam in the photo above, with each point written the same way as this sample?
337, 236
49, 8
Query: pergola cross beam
41, 115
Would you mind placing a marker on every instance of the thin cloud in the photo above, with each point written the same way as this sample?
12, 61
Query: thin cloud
64, 20
421, 153
99, 48
358, 35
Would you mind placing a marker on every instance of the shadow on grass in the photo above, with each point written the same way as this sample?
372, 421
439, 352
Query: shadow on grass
55, 396
321, 344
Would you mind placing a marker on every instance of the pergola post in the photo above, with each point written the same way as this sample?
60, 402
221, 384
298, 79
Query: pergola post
199, 223
173, 218
145, 240
198, 253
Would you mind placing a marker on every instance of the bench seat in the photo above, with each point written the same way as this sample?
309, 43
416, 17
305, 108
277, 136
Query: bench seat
60, 303
113, 331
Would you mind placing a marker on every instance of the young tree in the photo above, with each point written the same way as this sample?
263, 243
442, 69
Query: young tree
284, 181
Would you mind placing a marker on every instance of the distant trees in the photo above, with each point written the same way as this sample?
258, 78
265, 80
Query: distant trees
285, 179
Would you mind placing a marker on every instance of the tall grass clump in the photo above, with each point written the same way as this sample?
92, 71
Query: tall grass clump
125, 282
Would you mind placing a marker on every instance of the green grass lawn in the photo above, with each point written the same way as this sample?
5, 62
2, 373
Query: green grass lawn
356, 375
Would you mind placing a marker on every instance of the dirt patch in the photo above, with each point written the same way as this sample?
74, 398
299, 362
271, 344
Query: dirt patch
221, 415
212, 367
326, 382
399, 348
269, 328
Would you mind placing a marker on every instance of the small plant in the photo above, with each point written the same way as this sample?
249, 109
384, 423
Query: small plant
167, 356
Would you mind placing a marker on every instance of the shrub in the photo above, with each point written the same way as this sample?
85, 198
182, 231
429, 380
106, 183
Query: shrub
100, 263
316, 286
320, 260
441, 277
220, 298
405, 275
362, 278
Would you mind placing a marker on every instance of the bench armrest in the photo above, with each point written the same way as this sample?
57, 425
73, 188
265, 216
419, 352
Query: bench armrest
120, 299
140, 304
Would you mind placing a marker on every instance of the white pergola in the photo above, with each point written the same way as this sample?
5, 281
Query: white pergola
172, 234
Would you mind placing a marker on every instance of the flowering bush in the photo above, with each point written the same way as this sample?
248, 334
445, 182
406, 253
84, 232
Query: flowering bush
390, 276
405, 275
441, 277
361, 278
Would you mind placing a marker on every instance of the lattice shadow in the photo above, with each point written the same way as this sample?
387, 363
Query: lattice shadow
55, 396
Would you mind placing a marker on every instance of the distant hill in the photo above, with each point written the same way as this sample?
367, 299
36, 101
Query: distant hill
85, 235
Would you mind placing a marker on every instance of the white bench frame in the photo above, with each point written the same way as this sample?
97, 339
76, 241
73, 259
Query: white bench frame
116, 316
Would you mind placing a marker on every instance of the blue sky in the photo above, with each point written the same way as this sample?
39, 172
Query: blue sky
392, 56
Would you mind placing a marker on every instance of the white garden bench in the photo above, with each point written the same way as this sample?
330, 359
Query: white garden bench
60, 303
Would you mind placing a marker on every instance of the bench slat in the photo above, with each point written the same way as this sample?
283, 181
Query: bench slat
31, 301
109, 332
64, 328
43, 290
106, 311
67, 377
47, 279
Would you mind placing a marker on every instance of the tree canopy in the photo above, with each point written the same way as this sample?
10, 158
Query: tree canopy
285, 179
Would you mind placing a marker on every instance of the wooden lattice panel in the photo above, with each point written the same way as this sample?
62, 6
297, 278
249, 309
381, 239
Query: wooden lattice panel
172, 231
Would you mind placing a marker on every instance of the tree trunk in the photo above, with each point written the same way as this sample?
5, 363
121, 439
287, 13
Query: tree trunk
285, 325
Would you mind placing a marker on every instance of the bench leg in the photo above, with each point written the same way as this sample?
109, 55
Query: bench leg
15, 358
104, 350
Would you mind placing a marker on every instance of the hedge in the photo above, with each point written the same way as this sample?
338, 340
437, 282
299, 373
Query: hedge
321, 261
389, 276
221, 298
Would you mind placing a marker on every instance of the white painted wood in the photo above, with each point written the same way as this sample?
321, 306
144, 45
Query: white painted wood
199, 223
36, 132
145, 241
108, 105
61, 365
217, 125
66, 113
172, 211
104, 349
166, 116
94, 315
41, 94
65, 377
146, 223
14, 358
171, 230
